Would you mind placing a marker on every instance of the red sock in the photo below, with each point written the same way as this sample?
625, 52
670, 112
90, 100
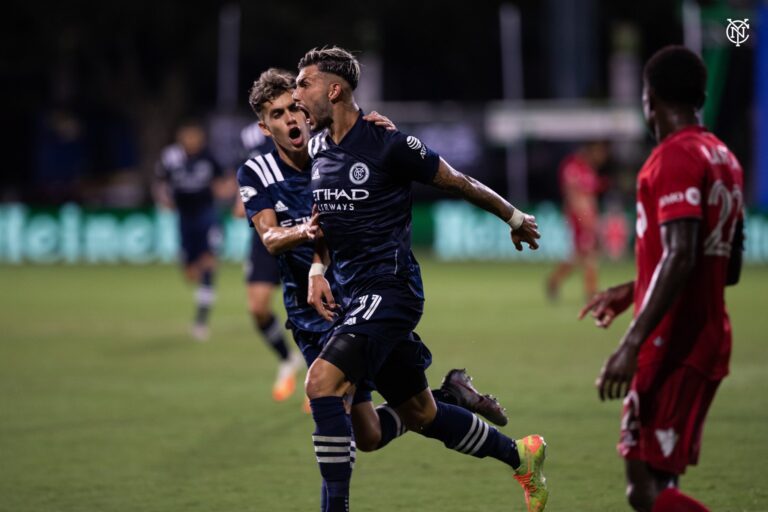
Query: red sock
672, 500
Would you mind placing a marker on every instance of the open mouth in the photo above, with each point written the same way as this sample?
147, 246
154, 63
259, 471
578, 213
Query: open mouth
295, 136
306, 112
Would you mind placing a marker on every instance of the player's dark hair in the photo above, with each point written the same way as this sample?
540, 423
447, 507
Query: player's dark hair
271, 84
333, 60
677, 76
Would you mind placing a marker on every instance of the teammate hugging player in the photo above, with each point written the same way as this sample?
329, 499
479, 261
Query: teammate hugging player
361, 184
188, 179
278, 201
688, 248
263, 277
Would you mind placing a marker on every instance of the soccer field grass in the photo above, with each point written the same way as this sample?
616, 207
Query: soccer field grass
106, 404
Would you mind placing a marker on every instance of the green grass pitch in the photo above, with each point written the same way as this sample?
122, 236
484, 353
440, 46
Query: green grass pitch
107, 405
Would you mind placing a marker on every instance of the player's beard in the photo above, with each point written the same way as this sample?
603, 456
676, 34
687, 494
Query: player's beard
323, 119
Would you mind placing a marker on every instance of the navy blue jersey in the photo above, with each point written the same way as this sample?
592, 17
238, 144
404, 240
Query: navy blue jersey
266, 182
362, 188
190, 178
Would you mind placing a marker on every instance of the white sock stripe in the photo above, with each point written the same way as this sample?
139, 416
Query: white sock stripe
333, 460
332, 439
480, 429
331, 449
205, 295
399, 427
472, 429
479, 443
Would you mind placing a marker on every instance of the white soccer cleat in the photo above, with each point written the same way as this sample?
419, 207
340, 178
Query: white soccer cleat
200, 332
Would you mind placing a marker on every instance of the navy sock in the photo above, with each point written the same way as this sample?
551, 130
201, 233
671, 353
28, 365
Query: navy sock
334, 450
273, 334
205, 297
391, 424
464, 432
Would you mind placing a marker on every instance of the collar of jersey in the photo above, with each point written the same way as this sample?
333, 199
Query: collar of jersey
350, 134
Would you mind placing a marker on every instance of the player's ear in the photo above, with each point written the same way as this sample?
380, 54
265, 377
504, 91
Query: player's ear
264, 129
334, 92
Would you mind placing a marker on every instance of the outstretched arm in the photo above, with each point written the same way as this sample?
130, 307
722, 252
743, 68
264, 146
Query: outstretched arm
524, 227
679, 239
278, 239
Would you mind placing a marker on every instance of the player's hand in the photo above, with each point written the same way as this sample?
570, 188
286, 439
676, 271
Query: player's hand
528, 232
608, 304
320, 297
617, 372
380, 120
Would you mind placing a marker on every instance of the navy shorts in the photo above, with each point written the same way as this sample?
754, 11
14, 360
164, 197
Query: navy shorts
200, 234
310, 343
261, 267
390, 354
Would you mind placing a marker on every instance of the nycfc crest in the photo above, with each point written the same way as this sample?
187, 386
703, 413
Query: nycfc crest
736, 31
359, 173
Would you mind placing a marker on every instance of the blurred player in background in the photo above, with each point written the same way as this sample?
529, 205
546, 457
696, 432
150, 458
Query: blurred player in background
190, 180
580, 185
688, 248
361, 185
263, 277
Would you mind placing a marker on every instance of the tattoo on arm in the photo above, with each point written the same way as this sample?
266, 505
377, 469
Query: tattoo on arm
449, 179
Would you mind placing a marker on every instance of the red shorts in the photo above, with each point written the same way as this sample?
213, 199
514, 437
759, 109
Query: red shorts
663, 417
584, 237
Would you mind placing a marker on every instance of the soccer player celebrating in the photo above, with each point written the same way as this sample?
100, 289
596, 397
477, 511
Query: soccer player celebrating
263, 277
188, 178
672, 358
361, 185
277, 197
580, 185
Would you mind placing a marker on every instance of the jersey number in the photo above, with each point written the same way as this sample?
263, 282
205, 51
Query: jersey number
715, 244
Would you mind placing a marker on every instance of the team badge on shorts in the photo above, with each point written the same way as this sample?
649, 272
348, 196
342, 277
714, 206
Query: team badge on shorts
359, 173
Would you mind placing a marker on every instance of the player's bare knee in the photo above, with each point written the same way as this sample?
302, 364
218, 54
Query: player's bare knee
322, 381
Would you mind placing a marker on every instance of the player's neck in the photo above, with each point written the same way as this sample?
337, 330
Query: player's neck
345, 114
297, 159
675, 120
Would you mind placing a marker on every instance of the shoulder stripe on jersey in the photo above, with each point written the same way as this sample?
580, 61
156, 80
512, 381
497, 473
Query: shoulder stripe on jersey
265, 168
254, 166
273, 165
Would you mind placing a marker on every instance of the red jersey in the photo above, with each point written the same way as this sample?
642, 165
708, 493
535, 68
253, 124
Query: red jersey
577, 174
691, 174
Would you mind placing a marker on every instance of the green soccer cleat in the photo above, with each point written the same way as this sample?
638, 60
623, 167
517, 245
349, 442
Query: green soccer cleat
532, 450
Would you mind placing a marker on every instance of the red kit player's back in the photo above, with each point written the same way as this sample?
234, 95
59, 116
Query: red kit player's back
691, 174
